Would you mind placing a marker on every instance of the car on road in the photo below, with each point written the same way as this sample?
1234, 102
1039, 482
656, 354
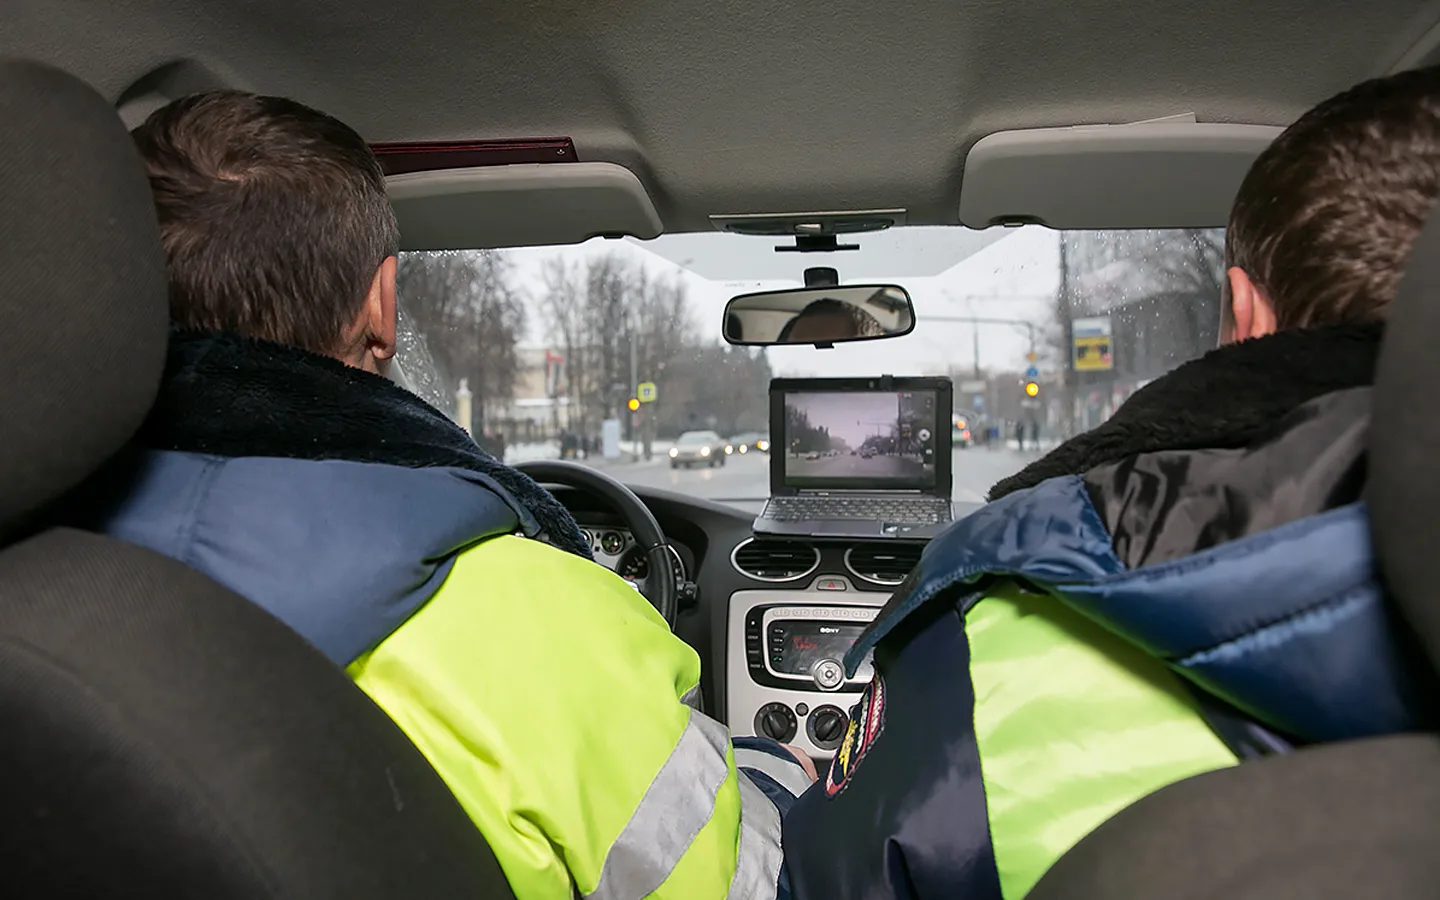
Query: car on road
699, 448
750, 440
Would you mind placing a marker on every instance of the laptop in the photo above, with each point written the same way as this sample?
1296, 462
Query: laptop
859, 458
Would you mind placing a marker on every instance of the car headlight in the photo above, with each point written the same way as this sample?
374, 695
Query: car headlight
704, 451
744, 447
762, 445
674, 452
729, 449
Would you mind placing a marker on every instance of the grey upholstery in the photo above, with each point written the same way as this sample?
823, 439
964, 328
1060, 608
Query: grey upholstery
82, 312
1344, 821
1357, 819
159, 735
1404, 485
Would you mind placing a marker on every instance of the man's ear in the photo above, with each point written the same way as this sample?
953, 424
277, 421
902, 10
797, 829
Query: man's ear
1251, 313
380, 341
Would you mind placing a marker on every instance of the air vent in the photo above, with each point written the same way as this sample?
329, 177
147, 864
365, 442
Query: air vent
886, 564
773, 560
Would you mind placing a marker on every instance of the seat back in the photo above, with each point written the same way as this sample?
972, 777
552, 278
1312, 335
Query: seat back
1355, 819
1335, 822
159, 735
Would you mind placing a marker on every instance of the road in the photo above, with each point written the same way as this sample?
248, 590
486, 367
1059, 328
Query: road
746, 479
847, 466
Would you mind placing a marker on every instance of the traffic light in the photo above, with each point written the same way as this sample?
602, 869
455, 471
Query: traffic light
1032, 389
633, 403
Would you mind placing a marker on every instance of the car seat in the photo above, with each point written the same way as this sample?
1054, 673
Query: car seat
1333, 822
159, 735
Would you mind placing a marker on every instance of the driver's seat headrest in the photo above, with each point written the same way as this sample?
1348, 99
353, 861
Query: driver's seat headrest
83, 305
1403, 488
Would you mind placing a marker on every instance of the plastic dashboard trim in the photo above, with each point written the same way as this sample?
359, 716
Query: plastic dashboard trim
746, 696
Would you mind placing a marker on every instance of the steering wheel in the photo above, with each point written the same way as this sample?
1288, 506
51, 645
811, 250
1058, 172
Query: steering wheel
660, 587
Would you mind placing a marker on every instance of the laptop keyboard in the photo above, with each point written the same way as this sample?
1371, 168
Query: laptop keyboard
899, 510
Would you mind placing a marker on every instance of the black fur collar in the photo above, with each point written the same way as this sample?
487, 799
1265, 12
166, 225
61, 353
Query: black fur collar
1226, 398
232, 396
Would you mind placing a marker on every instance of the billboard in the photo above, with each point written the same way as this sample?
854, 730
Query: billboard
1090, 349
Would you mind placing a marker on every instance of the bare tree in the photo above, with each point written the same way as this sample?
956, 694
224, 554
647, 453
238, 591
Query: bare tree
562, 305
473, 317
600, 309
1161, 289
716, 386
1193, 259
1194, 267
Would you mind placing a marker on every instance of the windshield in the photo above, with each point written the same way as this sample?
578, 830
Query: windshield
543, 351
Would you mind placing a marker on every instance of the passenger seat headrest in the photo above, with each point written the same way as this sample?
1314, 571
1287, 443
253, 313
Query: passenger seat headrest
83, 305
1403, 489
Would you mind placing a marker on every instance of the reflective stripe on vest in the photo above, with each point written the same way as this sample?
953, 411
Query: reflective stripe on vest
637, 796
788, 775
678, 803
757, 870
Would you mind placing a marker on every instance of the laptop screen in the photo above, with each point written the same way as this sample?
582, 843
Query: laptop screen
847, 435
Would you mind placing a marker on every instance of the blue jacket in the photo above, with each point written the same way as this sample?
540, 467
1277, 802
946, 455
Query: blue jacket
1246, 569
342, 552
374, 527
325, 494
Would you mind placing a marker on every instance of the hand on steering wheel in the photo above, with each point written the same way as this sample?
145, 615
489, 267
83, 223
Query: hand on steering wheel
660, 586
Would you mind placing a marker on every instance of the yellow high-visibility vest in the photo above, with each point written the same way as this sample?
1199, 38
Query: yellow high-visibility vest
559, 708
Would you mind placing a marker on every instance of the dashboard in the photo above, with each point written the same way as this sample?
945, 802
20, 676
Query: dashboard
770, 618
615, 549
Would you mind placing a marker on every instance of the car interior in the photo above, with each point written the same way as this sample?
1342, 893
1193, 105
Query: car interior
163, 737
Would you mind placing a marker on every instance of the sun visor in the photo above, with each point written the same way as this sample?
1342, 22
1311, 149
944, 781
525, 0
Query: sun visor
1168, 173
520, 205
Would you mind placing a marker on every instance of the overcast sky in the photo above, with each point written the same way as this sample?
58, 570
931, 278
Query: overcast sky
1013, 276
853, 417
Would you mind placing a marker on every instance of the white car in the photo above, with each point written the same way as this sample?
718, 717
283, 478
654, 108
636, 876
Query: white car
700, 448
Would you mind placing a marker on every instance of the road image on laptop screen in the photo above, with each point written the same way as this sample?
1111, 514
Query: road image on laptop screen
861, 440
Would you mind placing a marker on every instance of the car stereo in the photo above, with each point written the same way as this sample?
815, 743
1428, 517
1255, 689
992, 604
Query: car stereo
803, 647
785, 662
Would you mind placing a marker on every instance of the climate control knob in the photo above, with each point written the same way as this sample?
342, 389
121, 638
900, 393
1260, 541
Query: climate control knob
826, 726
775, 721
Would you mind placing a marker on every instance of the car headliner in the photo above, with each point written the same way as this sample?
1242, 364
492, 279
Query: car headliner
745, 105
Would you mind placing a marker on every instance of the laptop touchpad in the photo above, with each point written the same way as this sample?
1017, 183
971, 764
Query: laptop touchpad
843, 526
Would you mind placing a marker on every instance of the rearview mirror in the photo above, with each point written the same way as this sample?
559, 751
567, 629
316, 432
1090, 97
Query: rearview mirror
822, 316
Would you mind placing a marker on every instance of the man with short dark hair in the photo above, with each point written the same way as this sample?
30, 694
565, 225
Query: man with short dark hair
1188, 585
1324, 219
300, 208
829, 319
549, 694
